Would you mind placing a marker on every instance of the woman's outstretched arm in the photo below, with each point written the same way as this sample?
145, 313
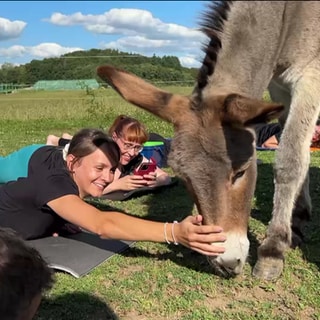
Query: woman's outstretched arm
115, 225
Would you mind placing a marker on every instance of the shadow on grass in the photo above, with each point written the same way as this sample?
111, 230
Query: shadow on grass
264, 203
180, 255
173, 203
74, 306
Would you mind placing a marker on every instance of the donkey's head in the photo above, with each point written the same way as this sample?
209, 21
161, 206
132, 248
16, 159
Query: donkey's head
213, 150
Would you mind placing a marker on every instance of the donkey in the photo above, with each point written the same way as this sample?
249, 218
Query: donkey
275, 44
213, 151
250, 45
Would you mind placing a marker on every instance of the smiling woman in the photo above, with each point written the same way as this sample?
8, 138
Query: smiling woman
50, 199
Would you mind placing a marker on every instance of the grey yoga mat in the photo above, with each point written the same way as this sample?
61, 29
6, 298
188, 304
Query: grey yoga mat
127, 195
78, 254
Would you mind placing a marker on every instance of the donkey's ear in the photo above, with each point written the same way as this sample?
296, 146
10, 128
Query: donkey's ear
244, 110
168, 106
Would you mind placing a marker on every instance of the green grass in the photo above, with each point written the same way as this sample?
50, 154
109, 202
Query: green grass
157, 281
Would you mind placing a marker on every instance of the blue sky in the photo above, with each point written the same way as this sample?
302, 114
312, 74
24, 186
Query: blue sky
42, 29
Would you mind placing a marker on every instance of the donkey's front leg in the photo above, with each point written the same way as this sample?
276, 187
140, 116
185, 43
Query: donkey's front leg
278, 238
291, 168
279, 234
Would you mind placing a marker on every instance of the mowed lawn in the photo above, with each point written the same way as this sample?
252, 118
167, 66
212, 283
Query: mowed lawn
158, 281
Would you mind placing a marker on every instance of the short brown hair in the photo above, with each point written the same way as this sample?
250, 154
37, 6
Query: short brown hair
130, 129
87, 140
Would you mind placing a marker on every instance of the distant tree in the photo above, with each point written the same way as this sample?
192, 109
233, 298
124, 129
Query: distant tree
170, 62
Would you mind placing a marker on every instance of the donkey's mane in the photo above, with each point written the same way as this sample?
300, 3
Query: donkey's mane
212, 25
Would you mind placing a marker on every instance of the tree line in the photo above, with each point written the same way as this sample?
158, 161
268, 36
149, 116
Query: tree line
83, 64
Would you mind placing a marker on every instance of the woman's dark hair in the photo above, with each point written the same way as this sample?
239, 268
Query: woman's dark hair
87, 140
23, 275
129, 129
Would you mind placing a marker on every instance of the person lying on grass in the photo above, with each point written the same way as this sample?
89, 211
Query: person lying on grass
130, 135
127, 132
52, 194
24, 276
268, 135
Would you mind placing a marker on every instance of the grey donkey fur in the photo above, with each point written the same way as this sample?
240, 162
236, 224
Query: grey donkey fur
277, 44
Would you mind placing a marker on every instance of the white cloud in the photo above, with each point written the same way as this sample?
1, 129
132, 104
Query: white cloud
10, 29
190, 61
187, 51
13, 51
77, 18
138, 42
127, 22
47, 50
120, 20
43, 50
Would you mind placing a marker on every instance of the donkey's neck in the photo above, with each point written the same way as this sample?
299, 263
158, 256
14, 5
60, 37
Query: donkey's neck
250, 48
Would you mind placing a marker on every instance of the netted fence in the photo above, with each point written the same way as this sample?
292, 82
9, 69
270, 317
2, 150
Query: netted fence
8, 87
54, 85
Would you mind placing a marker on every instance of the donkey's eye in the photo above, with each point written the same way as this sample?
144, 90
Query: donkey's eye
238, 175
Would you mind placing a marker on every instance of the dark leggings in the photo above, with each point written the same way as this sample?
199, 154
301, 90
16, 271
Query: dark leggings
62, 142
31, 224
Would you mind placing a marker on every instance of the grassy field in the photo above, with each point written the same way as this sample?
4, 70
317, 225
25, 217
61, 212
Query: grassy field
157, 281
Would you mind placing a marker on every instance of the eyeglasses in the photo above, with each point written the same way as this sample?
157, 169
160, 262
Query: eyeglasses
129, 146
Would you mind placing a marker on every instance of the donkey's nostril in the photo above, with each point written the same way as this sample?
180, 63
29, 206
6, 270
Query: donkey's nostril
233, 259
231, 264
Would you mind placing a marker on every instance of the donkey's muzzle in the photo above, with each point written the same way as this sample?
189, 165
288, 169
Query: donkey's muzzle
224, 269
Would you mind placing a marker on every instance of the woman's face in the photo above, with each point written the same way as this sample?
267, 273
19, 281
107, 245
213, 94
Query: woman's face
128, 150
91, 173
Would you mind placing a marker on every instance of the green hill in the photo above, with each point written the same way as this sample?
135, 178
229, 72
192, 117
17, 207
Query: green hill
83, 64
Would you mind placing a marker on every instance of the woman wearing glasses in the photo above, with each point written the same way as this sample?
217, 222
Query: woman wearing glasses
130, 135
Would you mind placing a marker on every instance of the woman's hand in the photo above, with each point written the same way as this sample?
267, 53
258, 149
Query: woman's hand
192, 234
126, 183
151, 178
67, 229
155, 179
130, 182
